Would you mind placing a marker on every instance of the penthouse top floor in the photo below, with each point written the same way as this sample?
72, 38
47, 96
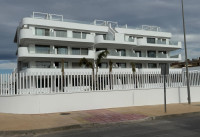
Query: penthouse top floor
58, 21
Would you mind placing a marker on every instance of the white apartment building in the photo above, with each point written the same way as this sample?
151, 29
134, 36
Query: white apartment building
44, 39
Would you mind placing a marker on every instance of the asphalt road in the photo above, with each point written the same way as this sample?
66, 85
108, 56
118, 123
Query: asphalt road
182, 126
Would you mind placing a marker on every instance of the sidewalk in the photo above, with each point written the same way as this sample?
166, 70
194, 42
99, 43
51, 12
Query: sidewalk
21, 122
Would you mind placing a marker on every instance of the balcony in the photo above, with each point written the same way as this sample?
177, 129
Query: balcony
160, 55
23, 53
117, 42
130, 55
26, 36
171, 45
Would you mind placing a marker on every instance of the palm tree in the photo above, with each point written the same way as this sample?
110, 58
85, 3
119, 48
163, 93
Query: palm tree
87, 64
133, 70
110, 70
100, 56
63, 73
133, 67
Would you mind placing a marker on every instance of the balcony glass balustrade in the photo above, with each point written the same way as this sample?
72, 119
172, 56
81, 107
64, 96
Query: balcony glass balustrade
42, 32
60, 33
173, 43
175, 56
42, 49
160, 55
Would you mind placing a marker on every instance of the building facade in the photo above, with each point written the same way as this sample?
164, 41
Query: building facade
44, 40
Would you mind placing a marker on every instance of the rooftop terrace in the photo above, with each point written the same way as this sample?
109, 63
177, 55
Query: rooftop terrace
56, 17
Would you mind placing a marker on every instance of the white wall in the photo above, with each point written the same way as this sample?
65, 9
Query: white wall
35, 104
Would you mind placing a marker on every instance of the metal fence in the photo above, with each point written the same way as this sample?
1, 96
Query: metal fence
72, 82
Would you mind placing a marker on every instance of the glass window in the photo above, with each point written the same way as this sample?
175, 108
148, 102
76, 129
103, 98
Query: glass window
121, 65
40, 49
162, 54
100, 49
138, 65
75, 65
76, 51
84, 51
138, 53
161, 64
104, 35
129, 38
59, 64
151, 40
62, 50
76, 34
152, 65
24, 65
41, 32
84, 34
121, 52
103, 65
79, 51
43, 64
61, 33
151, 54
161, 41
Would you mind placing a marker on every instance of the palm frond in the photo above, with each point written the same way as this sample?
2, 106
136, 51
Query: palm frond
86, 62
110, 65
102, 55
133, 66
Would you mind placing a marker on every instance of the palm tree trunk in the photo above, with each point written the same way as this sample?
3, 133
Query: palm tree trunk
93, 77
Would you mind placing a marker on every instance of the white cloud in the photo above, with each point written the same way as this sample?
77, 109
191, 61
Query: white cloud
8, 65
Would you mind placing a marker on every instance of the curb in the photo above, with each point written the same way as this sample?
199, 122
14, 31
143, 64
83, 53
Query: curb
174, 115
28, 132
80, 126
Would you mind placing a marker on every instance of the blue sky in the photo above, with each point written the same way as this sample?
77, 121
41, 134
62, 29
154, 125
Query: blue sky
163, 13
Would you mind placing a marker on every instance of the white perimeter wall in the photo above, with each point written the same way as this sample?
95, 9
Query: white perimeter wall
35, 104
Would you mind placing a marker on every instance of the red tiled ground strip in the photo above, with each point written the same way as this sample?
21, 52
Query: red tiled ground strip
106, 116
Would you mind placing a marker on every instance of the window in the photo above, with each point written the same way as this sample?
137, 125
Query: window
162, 54
41, 49
84, 51
61, 33
100, 49
151, 54
104, 35
62, 50
161, 41
24, 64
151, 40
41, 32
59, 64
77, 34
139, 54
122, 52
161, 64
79, 51
43, 64
84, 34
152, 65
121, 65
75, 65
129, 38
76, 51
103, 65
138, 65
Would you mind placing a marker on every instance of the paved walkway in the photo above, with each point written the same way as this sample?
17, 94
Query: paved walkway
13, 122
